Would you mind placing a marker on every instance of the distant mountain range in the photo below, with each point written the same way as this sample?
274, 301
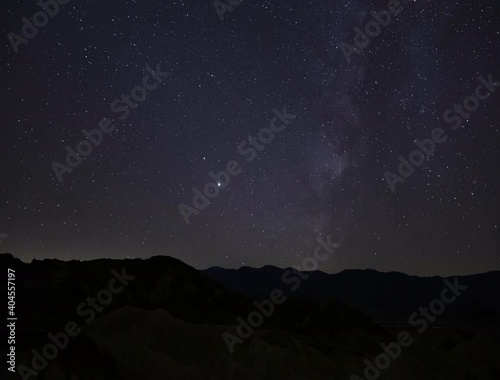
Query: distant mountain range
384, 297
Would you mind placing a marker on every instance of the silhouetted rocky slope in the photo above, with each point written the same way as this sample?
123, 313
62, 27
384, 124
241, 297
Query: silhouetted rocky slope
49, 292
131, 344
54, 288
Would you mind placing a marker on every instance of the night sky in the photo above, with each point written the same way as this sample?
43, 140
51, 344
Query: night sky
321, 175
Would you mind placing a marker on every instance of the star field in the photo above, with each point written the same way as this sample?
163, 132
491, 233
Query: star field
322, 175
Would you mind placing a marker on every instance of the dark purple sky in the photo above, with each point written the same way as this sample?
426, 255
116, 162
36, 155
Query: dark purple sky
321, 175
